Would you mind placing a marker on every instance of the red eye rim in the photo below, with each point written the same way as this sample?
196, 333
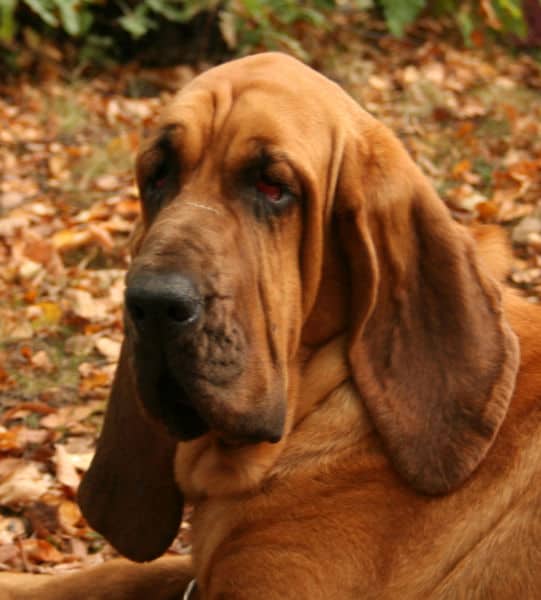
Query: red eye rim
272, 191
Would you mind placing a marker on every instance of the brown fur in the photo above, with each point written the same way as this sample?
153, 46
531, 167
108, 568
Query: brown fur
409, 459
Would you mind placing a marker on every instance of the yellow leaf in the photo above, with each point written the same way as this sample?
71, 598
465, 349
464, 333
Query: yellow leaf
51, 313
68, 239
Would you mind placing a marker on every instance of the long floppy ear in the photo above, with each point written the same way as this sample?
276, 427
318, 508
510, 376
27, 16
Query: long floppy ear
129, 493
431, 351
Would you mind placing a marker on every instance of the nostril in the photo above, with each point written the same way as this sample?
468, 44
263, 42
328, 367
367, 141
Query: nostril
183, 312
162, 299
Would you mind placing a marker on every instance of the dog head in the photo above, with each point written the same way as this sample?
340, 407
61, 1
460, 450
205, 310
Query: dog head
278, 214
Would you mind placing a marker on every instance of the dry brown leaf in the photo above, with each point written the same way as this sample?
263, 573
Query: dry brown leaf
41, 361
487, 210
101, 236
8, 552
24, 408
32, 436
86, 306
79, 345
128, 208
11, 528
79, 548
70, 415
107, 183
10, 225
92, 379
70, 518
70, 239
57, 165
527, 226
39, 250
461, 167
28, 269
108, 348
43, 516
66, 473
41, 551
9, 440
26, 483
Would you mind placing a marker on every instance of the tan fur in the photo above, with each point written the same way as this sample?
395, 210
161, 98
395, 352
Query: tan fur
410, 460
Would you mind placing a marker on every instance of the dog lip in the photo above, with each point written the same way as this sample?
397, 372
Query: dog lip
227, 443
176, 412
236, 441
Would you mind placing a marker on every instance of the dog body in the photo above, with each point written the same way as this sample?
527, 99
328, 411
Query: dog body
342, 525
319, 360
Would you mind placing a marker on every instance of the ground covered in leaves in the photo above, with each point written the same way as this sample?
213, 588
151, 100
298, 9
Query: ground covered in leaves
470, 117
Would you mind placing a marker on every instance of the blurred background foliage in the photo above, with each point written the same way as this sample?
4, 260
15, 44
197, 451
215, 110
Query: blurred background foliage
94, 31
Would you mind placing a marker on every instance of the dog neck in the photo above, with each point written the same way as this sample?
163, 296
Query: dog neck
322, 400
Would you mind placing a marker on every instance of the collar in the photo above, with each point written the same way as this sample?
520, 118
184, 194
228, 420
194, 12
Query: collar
192, 587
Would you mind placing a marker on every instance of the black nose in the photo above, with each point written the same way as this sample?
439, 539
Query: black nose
168, 299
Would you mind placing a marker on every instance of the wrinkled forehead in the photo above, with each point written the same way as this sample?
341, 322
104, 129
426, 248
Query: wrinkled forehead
269, 98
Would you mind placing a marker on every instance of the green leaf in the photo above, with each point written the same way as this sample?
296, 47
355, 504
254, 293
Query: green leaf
253, 8
7, 21
330, 4
137, 22
466, 25
229, 28
45, 9
400, 13
314, 17
359, 4
170, 10
442, 7
69, 16
510, 14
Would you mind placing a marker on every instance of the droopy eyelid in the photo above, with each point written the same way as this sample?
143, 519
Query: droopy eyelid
160, 154
158, 172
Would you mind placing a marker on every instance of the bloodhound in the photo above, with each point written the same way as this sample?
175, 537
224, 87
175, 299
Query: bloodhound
319, 359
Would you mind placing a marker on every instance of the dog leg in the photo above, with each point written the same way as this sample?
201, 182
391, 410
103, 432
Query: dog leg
163, 579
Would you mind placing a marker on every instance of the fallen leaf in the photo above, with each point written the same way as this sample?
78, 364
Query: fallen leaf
41, 551
70, 518
93, 378
108, 348
107, 183
101, 236
9, 440
28, 269
71, 416
28, 436
51, 313
528, 225
41, 361
66, 473
26, 483
70, 239
24, 408
79, 345
86, 306
11, 528
8, 552
43, 517
461, 167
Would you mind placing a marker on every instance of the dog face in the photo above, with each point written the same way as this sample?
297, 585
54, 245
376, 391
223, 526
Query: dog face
213, 294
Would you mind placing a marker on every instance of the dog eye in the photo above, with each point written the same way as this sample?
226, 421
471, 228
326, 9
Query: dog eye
271, 184
163, 180
158, 180
272, 190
